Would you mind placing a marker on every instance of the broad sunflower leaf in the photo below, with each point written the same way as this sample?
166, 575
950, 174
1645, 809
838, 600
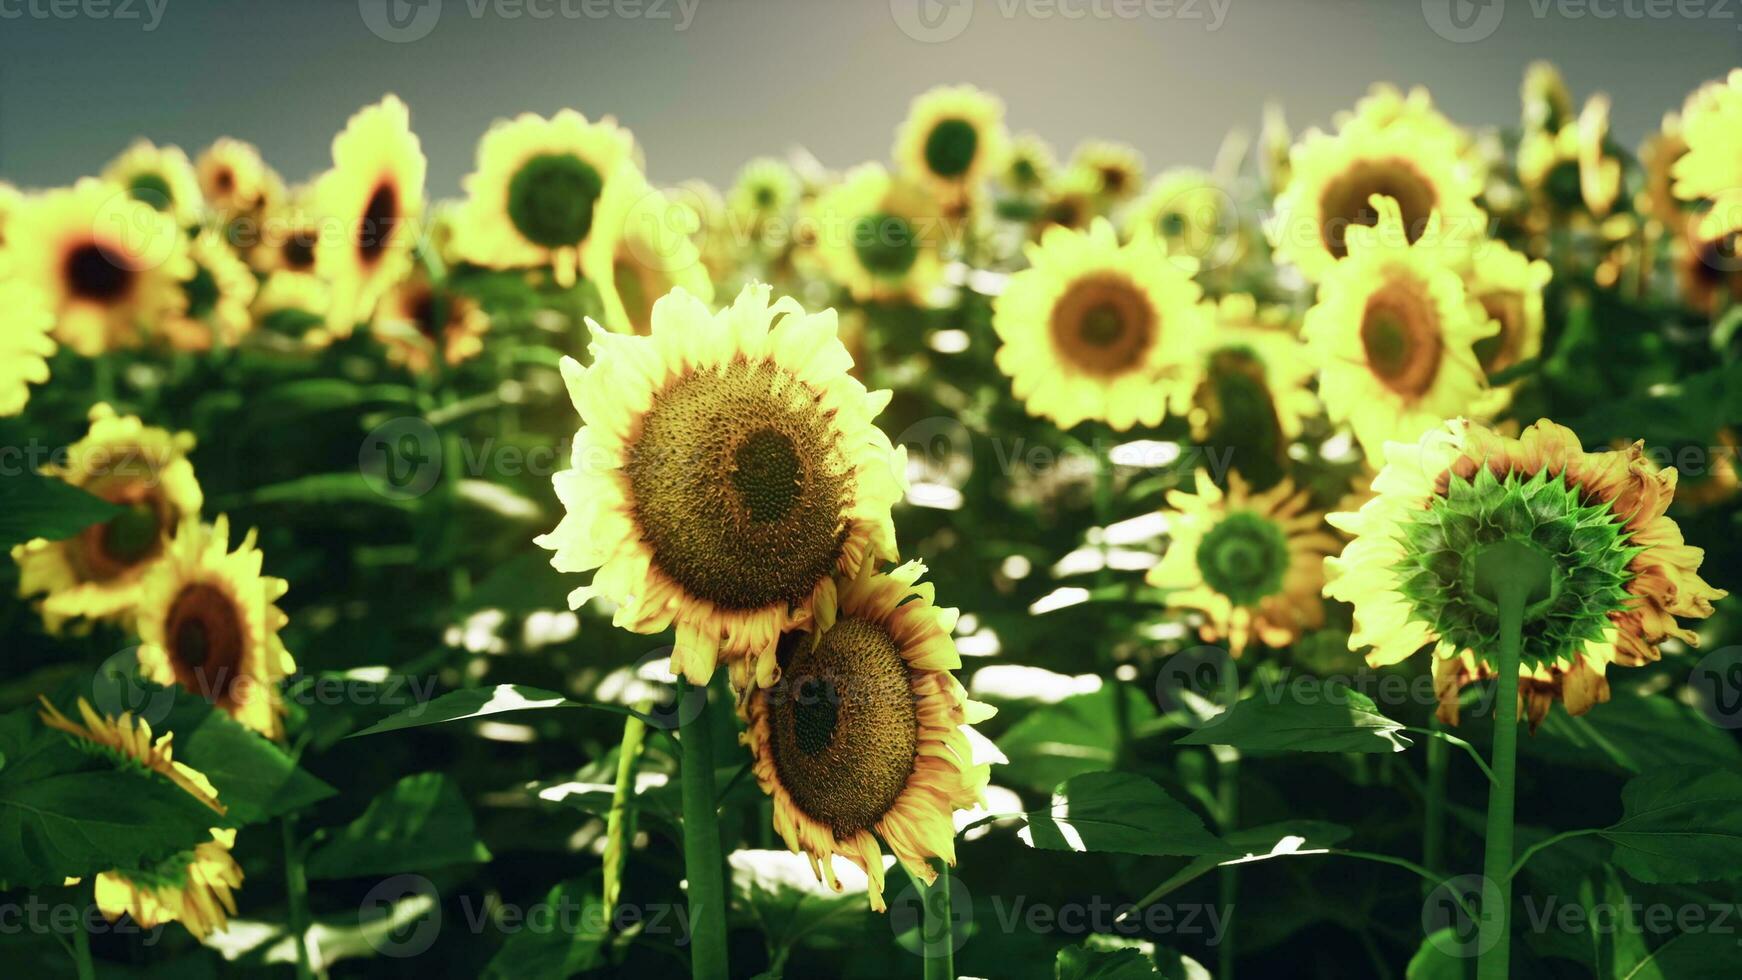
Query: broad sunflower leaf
562, 939
421, 823
1633, 734
255, 778
780, 894
1119, 811
1435, 961
1079, 963
1077, 735
1680, 824
37, 506
1303, 717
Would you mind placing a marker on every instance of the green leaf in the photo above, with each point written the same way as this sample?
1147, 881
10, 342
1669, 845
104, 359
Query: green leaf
1680, 824
419, 824
563, 937
1053, 743
477, 702
1702, 955
37, 506
1634, 734
1078, 963
1303, 717
779, 894
70, 810
1434, 961
1119, 811
255, 778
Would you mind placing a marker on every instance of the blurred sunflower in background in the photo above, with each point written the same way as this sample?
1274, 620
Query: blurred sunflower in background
1183, 212
422, 323
111, 266
880, 237
294, 304
533, 197
234, 180
26, 342
208, 621
1621, 572
766, 189
96, 574
11, 199
1712, 126
1115, 169
1657, 158
867, 737
1394, 331
1096, 330
161, 177
288, 232
218, 296
1255, 389
368, 205
1709, 257
1030, 165
952, 140
726, 469
652, 252
1251, 565
195, 887
1508, 285
1071, 201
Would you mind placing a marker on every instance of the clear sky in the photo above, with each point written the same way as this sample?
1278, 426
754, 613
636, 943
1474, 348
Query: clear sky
706, 84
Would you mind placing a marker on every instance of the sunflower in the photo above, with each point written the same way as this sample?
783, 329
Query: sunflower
1255, 389
1621, 573
952, 140
234, 179
1333, 180
208, 621
195, 887
726, 468
1274, 139
868, 735
1657, 157
420, 321
1599, 168
1250, 564
96, 573
1393, 332
288, 231
537, 187
1385, 107
1115, 168
26, 343
880, 237
1712, 125
766, 189
1096, 330
11, 199
713, 235
369, 205
652, 253
1709, 257
1070, 202
218, 297
1547, 105
294, 304
1508, 284
110, 266
1184, 212
161, 177
1030, 165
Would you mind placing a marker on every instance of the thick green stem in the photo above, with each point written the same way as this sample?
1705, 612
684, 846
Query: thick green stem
296, 892
1512, 587
87, 970
1228, 800
1433, 837
940, 954
620, 822
703, 865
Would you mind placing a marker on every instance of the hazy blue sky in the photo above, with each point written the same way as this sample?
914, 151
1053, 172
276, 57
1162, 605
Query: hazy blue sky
705, 84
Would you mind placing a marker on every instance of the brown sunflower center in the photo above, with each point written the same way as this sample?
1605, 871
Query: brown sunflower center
1346, 200
98, 273
427, 313
1402, 342
127, 541
206, 641
740, 484
1499, 352
1103, 325
375, 231
844, 725
299, 250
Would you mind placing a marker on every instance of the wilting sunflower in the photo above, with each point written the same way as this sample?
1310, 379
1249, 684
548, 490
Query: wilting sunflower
1712, 125
1508, 284
294, 304
369, 205
218, 298
867, 735
234, 179
1250, 564
208, 621
952, 140
194, 887
652, 252
1096, 330
1030, 165
1116, 168
1620, 571
1255, 388
766, 189
159, 176
421, 322
726, 468
1394, 333
97, 572
110, 266
880, 237
26, 343
536, 190
1333, 180
1184, 213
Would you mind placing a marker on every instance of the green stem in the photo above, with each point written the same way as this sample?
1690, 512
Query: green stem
620, 821
1228, 800
1439, 734
87, 970
1511, 591
1530, 851
1104, 516
701, 846
1433, 836
296, 890
940, 954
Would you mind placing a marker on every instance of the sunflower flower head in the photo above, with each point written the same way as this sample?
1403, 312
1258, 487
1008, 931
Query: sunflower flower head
371, 202
1255, 388
726, 469
952, 140
26, 343
423, 323
1712, 126
1031, 164
1115, 169
234, 179
218, 297
160, 177
881, 237
867, 735
1616, 571
652, 251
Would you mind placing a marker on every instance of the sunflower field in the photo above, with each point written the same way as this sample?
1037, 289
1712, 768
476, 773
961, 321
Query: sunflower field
978, 563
